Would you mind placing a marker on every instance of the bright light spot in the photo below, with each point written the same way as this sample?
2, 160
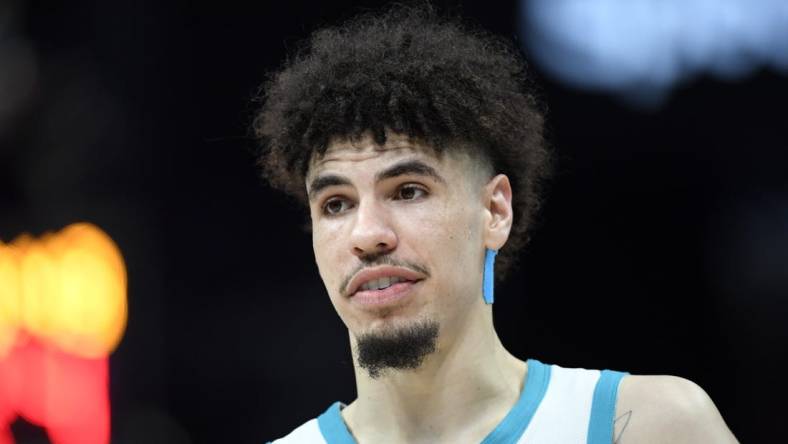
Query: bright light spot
641, 48
10, 299
68, 289
91, 309
63, 310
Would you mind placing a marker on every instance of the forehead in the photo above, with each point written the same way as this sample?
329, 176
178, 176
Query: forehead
344, 153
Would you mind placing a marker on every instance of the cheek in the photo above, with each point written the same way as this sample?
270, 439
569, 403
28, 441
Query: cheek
328, 259
327, 252
449, 236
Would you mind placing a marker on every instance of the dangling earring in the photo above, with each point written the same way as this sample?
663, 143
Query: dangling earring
488, 278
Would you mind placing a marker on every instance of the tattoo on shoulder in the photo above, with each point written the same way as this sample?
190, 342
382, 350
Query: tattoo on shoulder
621, 423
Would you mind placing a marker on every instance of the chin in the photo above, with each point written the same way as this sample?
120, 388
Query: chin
381, 325
394, 323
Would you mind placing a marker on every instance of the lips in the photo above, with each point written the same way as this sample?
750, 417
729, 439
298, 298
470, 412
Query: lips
382, 283
390, 296
383, 280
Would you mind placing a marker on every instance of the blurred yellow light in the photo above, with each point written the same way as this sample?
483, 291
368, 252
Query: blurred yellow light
70, 290
10, 298
39, 286
91, 309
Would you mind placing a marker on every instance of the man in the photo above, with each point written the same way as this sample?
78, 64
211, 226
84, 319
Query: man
420, 155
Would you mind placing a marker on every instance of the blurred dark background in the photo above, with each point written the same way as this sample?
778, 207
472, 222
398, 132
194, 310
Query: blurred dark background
662, 248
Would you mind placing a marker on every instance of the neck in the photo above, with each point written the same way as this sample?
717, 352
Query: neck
463, 389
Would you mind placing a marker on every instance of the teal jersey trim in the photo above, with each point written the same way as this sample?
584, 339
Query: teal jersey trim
508, 431
516, 421
603, 407
333, 427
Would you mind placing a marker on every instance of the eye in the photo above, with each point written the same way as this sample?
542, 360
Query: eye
336, 205
410, 192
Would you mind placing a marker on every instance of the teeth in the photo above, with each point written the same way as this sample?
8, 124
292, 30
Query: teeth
380, 284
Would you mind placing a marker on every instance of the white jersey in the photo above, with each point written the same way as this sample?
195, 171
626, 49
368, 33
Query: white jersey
557, 406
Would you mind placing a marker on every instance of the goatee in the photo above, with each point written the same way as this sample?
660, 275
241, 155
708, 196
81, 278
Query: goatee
403, 348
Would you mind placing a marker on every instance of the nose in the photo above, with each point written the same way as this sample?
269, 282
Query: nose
372, 232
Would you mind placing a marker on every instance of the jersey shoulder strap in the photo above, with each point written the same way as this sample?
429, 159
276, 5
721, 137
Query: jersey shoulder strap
563, 414
306, 433
603, 409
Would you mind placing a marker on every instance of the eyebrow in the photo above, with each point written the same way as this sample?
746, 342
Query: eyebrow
408, 167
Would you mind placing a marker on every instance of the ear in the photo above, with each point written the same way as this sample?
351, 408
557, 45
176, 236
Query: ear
499, 215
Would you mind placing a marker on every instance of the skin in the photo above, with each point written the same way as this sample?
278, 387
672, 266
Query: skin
443, 225
667, 409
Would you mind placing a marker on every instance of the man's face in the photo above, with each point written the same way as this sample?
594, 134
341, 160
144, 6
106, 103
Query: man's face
398, 233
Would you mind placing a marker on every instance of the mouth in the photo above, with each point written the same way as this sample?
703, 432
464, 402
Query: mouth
383, 285
385, 294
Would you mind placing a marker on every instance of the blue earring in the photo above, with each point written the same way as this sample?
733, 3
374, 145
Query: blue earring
488, 277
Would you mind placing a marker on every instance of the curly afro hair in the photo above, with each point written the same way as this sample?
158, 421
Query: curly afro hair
410, 71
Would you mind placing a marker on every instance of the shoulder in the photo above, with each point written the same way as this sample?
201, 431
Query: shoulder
667, 409
306, 433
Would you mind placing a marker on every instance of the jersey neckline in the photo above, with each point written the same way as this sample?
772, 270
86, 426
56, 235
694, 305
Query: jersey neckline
508, 431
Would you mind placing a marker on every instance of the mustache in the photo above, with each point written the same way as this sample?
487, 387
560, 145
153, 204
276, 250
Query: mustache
378, 261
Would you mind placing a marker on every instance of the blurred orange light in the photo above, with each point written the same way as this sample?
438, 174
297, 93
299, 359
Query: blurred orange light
63, 311
10, 299
67, 288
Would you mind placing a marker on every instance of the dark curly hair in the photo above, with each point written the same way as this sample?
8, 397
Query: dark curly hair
412, 71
